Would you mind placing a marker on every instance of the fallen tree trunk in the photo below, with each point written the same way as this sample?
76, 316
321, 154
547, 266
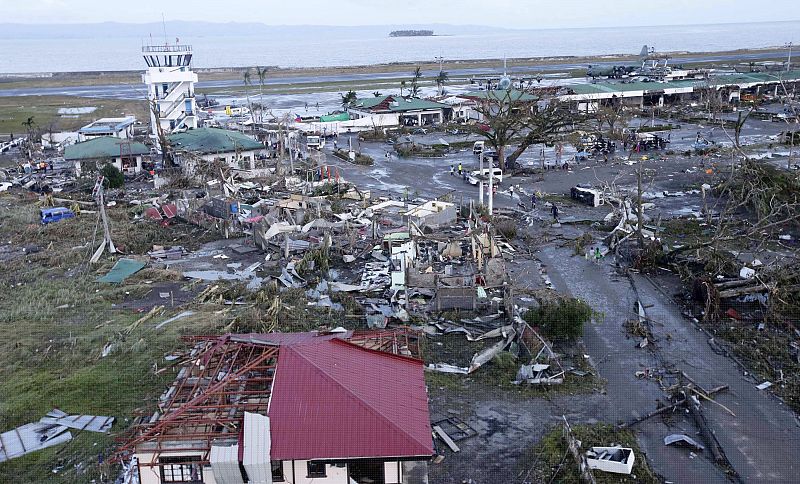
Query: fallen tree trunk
741, 291
668, 408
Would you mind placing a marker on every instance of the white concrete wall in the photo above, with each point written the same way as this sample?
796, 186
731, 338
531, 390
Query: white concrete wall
335, 475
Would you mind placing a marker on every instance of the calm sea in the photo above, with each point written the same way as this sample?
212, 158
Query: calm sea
221, 47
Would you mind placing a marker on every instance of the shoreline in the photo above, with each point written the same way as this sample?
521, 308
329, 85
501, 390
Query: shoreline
77, 78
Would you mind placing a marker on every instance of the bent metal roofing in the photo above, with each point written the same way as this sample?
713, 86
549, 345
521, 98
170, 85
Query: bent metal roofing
386, 103
336, 400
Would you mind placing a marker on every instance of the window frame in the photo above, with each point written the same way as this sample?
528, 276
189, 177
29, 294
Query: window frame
183, 464
282, 477
316, 474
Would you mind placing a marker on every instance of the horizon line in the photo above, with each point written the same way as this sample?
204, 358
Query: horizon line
586, 27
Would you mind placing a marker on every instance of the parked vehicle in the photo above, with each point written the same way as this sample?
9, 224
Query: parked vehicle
314, 142
50, 215
477, 175
419, 131
478, 147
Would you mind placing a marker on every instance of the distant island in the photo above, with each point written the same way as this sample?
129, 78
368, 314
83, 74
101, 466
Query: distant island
411, 33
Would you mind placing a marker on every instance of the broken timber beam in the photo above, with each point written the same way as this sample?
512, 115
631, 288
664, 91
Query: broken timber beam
446, 438
740, 291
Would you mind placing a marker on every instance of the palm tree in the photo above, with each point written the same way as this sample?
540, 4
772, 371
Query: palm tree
441, 78
248, 81
402, 86
262, 75
377, 94
415, 82
348, 99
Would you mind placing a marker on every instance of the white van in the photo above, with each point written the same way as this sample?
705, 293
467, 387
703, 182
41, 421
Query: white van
315, 142
475, 176
478, 147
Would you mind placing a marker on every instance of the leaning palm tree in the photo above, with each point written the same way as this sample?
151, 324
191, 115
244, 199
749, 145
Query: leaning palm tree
248, 81
440, 79
262, 75
348, 99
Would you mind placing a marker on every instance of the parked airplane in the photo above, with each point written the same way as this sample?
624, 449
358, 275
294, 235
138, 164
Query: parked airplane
618, 71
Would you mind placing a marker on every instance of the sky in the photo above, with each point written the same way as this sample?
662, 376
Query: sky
519, 14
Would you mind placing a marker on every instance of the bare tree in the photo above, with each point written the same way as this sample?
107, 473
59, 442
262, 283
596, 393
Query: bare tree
503, 119
545, 123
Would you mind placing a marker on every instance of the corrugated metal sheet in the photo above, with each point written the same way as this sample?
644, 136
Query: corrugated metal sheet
31, 437
92, 423
256, 455
225, 464
337, 400
123, 269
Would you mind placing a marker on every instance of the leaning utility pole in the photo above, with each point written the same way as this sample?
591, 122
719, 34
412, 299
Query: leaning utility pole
99, 197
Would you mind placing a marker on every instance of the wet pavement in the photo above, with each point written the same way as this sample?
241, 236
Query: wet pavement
760, 441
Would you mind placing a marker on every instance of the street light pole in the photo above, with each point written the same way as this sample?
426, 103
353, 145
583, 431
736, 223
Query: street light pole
789, 62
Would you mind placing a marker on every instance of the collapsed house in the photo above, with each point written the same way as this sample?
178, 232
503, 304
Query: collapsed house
338, 407
114, 127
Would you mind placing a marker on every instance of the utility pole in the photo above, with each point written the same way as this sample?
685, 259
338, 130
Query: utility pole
789, 62
480, 180
491, 188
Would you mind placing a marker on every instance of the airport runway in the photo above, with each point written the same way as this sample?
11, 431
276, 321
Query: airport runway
137, 91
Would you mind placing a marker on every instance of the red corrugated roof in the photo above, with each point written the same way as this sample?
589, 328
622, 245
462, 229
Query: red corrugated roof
337, 400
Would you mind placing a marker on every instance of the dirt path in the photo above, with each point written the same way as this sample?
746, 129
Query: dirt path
761, 442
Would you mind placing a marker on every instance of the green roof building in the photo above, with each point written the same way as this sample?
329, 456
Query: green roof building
199, 145
407, 111
206, 141
127, 156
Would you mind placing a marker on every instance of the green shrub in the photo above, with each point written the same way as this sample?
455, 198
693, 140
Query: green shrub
561, 320
113, 176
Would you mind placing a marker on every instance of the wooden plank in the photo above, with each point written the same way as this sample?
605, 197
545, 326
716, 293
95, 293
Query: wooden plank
446, 438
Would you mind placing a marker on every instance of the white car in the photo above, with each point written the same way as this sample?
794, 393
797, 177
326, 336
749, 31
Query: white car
475, 176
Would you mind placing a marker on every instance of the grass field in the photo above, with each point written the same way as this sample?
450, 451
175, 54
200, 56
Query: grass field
54, 322
14, 111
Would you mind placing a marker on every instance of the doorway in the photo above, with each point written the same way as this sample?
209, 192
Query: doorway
366, 471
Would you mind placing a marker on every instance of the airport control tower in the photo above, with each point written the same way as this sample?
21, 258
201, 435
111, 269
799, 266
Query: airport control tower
170, 85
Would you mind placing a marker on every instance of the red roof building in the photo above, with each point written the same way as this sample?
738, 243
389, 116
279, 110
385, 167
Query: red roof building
301, 408
336, 400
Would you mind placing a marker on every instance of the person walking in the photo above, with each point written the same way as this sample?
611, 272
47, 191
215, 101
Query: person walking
511, 191
460, 168
554, 211
597, 255
533, 201
452, 170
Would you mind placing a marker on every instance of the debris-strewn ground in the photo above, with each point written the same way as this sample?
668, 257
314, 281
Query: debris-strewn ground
551, 461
